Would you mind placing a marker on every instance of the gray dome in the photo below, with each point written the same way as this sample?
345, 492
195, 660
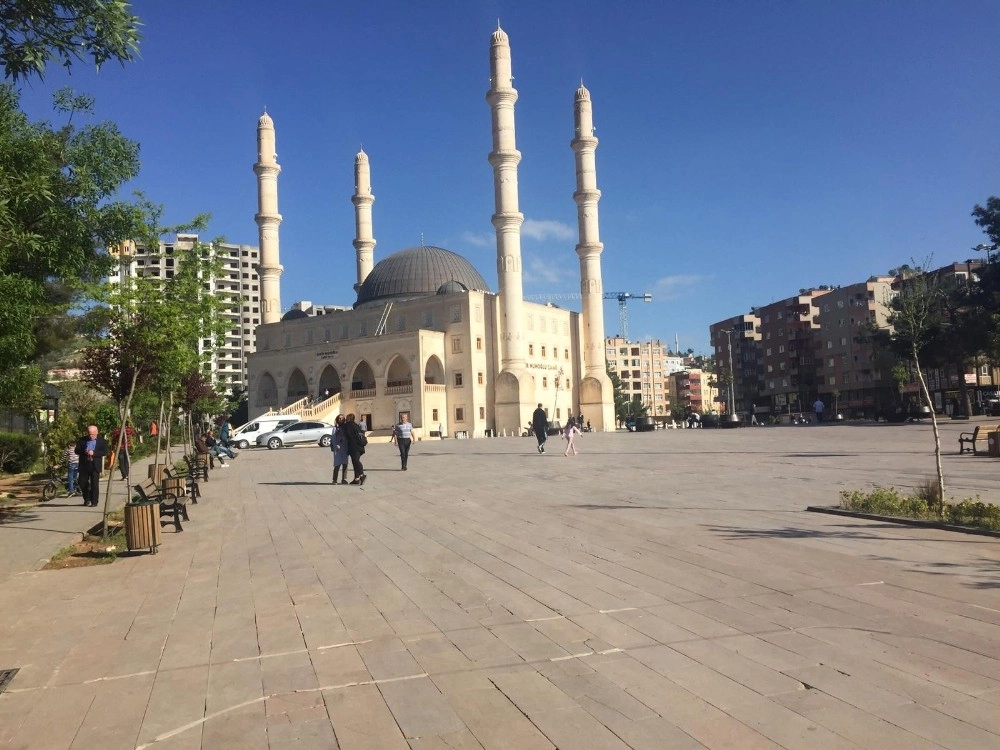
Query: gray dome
417, 272
452, 287
294, 315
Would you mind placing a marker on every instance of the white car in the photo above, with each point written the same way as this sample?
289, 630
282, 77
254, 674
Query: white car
318, 433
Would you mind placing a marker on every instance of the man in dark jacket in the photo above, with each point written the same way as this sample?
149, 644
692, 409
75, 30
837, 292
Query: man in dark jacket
539, 425
92, 449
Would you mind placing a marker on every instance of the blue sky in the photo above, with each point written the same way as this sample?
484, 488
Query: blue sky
747, 149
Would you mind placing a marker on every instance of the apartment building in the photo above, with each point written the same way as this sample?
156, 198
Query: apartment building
226, 364
737, 350
644, 368
853, 372
694, 390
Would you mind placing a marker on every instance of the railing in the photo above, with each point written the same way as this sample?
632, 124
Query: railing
434, 387
363, 393
294, 408
396, 390
314, 411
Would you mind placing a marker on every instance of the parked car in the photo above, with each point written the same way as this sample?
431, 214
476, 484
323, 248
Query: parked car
318, 433
245, 436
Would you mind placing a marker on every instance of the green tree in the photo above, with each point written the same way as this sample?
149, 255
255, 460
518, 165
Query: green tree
57, 216
34, 33
916, 321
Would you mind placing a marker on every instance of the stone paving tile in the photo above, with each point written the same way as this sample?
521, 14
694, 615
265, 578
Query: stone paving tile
362, 721
601, 615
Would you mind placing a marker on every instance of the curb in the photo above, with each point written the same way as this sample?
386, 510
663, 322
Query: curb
918, 522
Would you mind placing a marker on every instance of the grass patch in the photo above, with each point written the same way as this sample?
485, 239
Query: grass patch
91, 551
888, 501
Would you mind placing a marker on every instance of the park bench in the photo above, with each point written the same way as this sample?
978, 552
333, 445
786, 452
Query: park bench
170, 504
189, 479
197, 465
975, 438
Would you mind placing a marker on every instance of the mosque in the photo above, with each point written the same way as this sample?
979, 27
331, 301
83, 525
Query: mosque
427, 336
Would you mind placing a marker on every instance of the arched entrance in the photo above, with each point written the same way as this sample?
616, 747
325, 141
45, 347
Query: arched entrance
297, 386
363, 379
267, 391
434, 371
399, 377
329, 383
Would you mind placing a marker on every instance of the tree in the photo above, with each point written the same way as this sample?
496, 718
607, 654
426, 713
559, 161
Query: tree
37, 32
57, 216
916, 320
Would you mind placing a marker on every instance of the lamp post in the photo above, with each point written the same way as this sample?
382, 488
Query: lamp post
988, 249
732, 418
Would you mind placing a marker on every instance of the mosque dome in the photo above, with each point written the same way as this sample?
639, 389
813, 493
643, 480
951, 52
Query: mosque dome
452, 287
294, 315
417, 272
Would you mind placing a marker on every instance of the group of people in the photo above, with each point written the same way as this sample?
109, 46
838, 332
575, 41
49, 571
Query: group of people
349, 441
207, 445
540, 426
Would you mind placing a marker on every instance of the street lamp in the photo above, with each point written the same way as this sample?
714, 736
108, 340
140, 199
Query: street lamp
988, 249
732, 418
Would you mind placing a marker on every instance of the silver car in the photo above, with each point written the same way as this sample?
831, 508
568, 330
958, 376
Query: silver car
319, 433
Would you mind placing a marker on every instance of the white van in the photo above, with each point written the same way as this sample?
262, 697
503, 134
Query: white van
246, 436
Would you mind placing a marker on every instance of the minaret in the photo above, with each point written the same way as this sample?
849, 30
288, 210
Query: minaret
589, 249
504, 159
364, 240
268, 220
596, 391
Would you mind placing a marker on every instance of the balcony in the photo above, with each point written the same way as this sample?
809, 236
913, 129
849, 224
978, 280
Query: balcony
363, 393
434, 388
398, 388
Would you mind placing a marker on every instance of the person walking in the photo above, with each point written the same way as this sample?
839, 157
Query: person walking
91, 449
356, 442
126, 449
339, 448
539, 425
72, 467
818, 407
224, 434
753, 414
570, 432
402, 436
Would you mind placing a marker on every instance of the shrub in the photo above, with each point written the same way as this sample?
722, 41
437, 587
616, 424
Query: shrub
18, 453
888, 501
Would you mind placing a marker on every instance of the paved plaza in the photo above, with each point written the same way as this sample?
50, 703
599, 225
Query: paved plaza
660, 590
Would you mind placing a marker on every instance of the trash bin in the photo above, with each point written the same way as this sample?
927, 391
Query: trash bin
993, 444
174, 486
142, 525
155, 472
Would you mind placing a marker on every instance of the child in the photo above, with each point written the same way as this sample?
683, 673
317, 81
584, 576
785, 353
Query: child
72, 467
570, 432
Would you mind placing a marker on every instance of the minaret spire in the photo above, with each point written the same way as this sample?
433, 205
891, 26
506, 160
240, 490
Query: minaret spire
268, 220
596, 392
589, 248
507, 219
364, 239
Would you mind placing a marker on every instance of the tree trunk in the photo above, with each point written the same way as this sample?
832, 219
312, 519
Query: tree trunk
937, 436
123, 412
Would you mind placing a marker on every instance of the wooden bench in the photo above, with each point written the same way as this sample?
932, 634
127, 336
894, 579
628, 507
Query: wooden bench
975, 438
198, 465
190, 481
170, 504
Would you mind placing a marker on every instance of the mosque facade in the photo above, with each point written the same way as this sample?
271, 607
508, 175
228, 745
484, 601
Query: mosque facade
427, 336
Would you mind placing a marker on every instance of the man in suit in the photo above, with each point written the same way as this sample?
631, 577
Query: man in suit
92, 449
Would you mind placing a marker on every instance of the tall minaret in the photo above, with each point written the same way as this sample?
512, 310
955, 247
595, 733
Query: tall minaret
507, 220
589, 249
364, 240
596, 391
268, 219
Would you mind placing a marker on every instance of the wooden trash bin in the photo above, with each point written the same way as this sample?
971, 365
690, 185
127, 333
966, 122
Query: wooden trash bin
993, 444
173, 486
155, 472
142, 525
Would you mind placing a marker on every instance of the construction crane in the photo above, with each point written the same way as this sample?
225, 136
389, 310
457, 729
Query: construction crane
623, 299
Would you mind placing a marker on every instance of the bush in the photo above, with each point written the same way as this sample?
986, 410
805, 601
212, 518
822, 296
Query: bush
18, 453
888, 501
